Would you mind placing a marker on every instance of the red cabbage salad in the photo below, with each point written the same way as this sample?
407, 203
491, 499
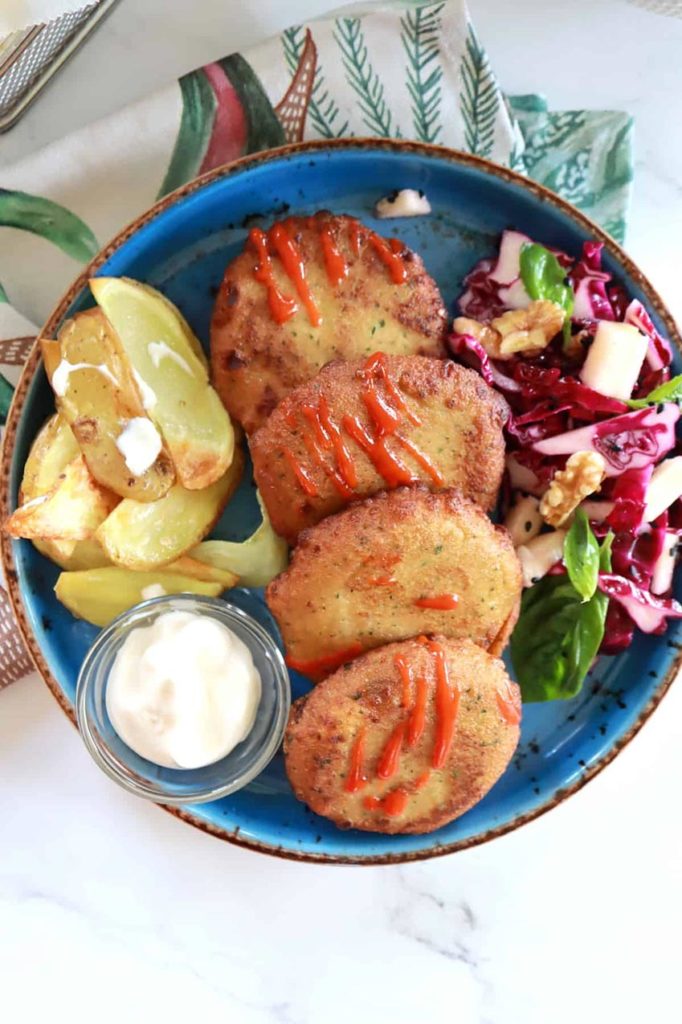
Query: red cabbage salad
594, 479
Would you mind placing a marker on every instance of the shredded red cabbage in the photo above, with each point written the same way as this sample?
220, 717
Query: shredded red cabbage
629, 497
659, 353
635, 557
583, 403
589, 284
471, 352
649, 613
553, 414
619, 630
481, 299
631, 441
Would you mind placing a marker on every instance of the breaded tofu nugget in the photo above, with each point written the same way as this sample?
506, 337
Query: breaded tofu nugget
376, 423
393, 566
309, 290
405, 738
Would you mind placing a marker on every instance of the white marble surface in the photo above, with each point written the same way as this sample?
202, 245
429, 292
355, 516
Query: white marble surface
110, 909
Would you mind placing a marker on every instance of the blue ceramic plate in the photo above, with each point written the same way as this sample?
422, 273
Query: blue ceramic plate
181, 247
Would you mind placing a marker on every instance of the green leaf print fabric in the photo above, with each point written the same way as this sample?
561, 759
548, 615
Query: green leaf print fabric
392, 70
584, 155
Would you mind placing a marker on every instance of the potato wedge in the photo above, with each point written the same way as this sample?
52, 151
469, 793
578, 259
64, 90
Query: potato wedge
99, 595
99, 400
187, 411
147, 535
256, 560
85, 554
63, 549
187, 566
72, 510
52, 450
177, 316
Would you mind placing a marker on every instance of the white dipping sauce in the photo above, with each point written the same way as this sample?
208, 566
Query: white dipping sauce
140, 444
184, 691
60, 377
405, 202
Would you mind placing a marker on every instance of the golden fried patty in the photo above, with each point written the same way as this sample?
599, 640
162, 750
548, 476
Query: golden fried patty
398, 564
376, 423
309, 290
405, 738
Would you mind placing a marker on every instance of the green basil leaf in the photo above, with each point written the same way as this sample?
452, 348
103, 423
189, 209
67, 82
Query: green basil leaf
584, 641
544, 278
671, 391
556, 639
605, 552
559, 633
581, 556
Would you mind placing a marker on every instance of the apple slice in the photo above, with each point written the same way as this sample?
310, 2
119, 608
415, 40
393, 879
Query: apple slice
614, 359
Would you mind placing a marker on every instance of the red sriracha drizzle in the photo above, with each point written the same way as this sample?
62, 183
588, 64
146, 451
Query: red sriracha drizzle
553, 414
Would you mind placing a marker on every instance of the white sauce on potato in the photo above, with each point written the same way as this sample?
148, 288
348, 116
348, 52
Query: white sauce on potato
147, 394
139, 444
153, 590
159, 350
407, 202
60, 377
36, 501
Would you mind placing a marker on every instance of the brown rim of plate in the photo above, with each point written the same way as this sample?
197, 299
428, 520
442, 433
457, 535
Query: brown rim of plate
238, 166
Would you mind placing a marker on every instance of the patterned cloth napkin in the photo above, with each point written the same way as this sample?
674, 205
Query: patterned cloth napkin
394, 70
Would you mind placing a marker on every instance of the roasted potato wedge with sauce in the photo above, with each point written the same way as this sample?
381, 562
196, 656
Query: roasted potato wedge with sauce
98, 396
178, 318
52, 450
71, 510
181, 401
99, 595
145, 535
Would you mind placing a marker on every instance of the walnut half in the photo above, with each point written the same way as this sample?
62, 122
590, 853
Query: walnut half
519, 330
528, 330
488, 337
583, 475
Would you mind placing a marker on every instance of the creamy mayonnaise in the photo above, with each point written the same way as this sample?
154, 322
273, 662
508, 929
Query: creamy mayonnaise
147, 394
404, 202
184, 691
60, 377
139, 443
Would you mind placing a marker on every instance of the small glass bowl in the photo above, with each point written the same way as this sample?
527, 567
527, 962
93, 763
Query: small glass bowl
179, 785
